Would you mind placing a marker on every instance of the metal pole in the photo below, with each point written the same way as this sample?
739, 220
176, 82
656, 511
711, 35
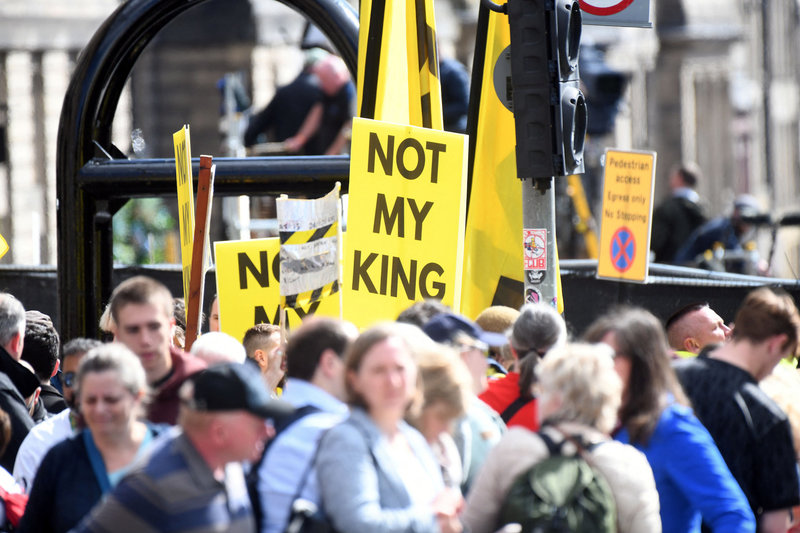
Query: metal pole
766, 82
539, 232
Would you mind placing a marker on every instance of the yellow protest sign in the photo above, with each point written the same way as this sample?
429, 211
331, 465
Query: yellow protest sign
3, 246
248, 288
183, 173
405, 222
627, 209
398, 67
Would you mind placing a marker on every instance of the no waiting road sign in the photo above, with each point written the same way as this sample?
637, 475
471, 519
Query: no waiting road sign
625, 219
623, 249
635, 13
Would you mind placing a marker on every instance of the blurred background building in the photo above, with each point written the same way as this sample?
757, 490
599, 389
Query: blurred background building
714, 82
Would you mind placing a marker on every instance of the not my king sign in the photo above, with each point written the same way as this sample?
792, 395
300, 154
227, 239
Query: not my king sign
405, 222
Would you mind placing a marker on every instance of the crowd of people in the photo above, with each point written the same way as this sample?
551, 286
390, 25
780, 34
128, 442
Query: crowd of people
430, 423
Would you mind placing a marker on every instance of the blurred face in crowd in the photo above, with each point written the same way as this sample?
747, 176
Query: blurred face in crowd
245, 434
271, 358
146, 329
213, 316
386, 378
622, 363
709, 328
474, 353
107, 406
436, 419
68, 369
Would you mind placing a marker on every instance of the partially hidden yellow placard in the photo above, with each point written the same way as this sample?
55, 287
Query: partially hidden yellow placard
627, 212
405, 221
3, 246
183, 173
248, 287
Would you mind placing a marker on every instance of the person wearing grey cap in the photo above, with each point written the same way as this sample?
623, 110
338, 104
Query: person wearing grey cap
193, 479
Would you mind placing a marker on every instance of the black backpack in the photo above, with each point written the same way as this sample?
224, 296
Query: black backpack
251, 478
562, 493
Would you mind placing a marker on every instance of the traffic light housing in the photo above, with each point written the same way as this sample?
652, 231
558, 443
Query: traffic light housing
604, 87
549, 107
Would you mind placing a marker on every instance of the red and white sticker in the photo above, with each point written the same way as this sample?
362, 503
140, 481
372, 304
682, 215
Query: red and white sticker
604, 8
534, 244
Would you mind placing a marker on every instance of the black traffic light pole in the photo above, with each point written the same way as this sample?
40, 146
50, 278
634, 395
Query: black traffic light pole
550, 124
94, 179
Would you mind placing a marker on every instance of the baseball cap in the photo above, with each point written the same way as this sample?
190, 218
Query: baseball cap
445, 327
747, 205
233, 387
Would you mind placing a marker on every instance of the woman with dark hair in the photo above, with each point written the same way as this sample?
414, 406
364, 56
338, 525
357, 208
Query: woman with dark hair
694, 483
110, 387
537, 329
374, 471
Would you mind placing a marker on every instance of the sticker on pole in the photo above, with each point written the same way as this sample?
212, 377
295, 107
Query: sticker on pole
623, 249
632, 13
534, 242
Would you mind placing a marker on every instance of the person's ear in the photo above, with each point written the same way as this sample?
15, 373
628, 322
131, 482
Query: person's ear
15, 345
691, 345
260, 357
55, 370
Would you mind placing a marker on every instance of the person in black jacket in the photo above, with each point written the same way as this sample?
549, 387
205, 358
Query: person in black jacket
42, 346
678, 216
16, 381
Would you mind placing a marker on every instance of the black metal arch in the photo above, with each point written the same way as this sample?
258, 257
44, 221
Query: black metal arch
93, 178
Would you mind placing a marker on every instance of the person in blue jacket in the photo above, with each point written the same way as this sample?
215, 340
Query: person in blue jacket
694, 484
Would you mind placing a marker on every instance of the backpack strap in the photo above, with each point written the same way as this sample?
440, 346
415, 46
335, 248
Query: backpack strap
251, 478
552, 447
513, 408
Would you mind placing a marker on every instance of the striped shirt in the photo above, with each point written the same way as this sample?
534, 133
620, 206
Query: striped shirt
175, 491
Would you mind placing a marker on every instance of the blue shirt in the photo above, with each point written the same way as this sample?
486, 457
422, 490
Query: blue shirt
290, 455
692, 479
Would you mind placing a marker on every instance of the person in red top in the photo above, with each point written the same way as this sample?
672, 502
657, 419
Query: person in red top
538, 329
141, 309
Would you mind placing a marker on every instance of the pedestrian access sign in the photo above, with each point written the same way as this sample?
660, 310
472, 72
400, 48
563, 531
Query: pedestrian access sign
626, 217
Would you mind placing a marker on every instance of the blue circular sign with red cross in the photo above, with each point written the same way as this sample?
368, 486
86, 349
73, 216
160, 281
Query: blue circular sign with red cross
623, 249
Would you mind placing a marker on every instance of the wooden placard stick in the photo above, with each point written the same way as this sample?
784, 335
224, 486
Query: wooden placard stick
202, 215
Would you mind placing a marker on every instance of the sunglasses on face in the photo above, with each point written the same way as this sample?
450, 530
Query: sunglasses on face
68, 379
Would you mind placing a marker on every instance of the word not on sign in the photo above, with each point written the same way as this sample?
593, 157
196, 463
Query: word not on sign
626, 217
405, 226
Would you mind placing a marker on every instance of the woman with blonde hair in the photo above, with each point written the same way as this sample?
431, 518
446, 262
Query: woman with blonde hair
374, 471
446, 392
578, 396
110, 388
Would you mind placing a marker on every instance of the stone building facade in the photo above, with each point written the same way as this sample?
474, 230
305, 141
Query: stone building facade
702, 82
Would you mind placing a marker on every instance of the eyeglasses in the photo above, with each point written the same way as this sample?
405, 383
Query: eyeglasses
68, 379
475, 345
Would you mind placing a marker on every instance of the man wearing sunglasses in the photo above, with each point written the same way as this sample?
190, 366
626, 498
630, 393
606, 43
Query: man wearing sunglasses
47, 434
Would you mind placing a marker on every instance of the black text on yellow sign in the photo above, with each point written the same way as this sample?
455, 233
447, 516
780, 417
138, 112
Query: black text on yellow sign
629, 178
405, 220
248, 274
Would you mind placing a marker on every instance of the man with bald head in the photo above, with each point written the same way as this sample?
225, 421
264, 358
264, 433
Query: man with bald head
693, 327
